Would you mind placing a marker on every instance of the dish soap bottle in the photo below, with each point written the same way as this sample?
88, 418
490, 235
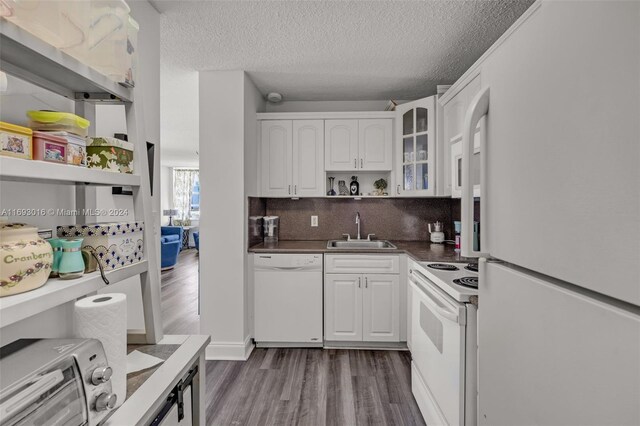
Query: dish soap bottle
354, 187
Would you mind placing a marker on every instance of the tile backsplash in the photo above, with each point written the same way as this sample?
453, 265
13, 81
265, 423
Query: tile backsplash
401, 219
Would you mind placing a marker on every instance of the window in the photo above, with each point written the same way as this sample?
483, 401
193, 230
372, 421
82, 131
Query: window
186, 193
195, 198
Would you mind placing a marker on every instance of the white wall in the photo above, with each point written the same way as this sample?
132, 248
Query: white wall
23, 96
253, 102
223, 138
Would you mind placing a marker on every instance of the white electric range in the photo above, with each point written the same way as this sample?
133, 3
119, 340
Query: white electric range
443, 341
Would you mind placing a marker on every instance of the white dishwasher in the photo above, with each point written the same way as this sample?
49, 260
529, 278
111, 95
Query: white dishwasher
288, 300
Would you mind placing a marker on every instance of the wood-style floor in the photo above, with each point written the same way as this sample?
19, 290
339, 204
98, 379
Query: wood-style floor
312, 387
180, 295
292, 386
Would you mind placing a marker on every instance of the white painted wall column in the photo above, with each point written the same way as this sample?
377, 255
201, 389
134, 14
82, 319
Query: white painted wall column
223, 280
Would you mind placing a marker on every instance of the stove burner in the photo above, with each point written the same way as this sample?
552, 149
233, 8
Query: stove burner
471, 282
473, 267
442, 267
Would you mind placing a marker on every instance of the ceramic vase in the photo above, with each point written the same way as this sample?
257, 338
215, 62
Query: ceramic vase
354, 186
331, 181
25, 259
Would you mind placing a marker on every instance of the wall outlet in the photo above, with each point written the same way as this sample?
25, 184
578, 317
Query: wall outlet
314, 221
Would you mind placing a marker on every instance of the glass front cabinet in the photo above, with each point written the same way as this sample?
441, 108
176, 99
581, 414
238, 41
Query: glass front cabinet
415, 148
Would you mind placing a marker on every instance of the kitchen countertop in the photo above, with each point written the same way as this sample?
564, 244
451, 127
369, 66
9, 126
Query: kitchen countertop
421, 251
147, 389
137, 378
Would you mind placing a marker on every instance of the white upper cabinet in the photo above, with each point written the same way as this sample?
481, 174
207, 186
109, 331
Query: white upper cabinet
308, 158
358, 145
341, 145
415, 143
292, 158
374, 144
277, 154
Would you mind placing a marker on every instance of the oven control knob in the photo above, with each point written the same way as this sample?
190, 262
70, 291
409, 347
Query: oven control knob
106, 401
101, 375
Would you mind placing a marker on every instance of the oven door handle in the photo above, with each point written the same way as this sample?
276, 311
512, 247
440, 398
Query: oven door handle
34, 391
432, 300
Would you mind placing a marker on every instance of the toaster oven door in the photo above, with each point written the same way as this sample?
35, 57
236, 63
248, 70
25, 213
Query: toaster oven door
55, 397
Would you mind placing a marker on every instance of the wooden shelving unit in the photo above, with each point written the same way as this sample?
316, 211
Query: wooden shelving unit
27, 57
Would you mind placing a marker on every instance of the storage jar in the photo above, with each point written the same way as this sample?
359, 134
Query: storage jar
15, 141
58, 121
117, 244
49, 147
112, 40
110, 154
59, 23
25, 259
76, 148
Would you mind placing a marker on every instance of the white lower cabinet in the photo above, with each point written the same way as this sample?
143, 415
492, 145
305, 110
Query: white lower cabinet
362, 307
381, 308
343, 307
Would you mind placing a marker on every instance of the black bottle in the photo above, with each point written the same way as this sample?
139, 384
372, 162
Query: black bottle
354, 187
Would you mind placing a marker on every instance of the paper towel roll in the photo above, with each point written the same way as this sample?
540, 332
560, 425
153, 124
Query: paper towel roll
104, 317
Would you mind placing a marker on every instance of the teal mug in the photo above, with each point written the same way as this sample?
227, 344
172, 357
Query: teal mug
71, 262
56, 245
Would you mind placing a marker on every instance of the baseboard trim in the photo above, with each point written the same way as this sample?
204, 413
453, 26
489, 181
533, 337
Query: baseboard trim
287, 345
229, 351
373, 346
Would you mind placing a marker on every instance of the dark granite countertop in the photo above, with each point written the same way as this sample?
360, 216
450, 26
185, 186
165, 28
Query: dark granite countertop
422, 251
137, 378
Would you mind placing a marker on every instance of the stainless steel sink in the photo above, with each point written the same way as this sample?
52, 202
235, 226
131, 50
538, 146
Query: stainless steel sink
362, 244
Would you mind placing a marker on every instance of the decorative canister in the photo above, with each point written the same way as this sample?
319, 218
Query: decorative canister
15, 141
56, 245
117, 244
110, 154
49, 147
76, 148
71, 262
25, 259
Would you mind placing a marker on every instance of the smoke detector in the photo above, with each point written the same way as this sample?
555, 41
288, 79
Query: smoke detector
274, 97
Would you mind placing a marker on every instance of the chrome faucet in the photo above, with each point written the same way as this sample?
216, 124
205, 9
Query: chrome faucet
358, 223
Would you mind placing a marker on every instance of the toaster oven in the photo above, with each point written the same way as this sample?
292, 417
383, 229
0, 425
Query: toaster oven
54, 382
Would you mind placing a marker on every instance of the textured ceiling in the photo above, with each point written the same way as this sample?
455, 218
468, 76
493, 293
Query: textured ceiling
321, 50
345, 50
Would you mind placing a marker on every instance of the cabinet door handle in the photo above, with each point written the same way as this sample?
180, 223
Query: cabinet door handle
355, 163
289, 189
295, 189
398, 189
361, 163
359, 282
366, 282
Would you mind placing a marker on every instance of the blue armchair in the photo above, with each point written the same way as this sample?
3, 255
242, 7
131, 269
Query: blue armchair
170, 244
196, 239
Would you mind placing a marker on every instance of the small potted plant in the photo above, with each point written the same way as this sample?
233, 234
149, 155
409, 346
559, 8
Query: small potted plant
380, 185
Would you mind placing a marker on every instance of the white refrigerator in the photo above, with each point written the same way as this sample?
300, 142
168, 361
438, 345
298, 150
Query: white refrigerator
559, 291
